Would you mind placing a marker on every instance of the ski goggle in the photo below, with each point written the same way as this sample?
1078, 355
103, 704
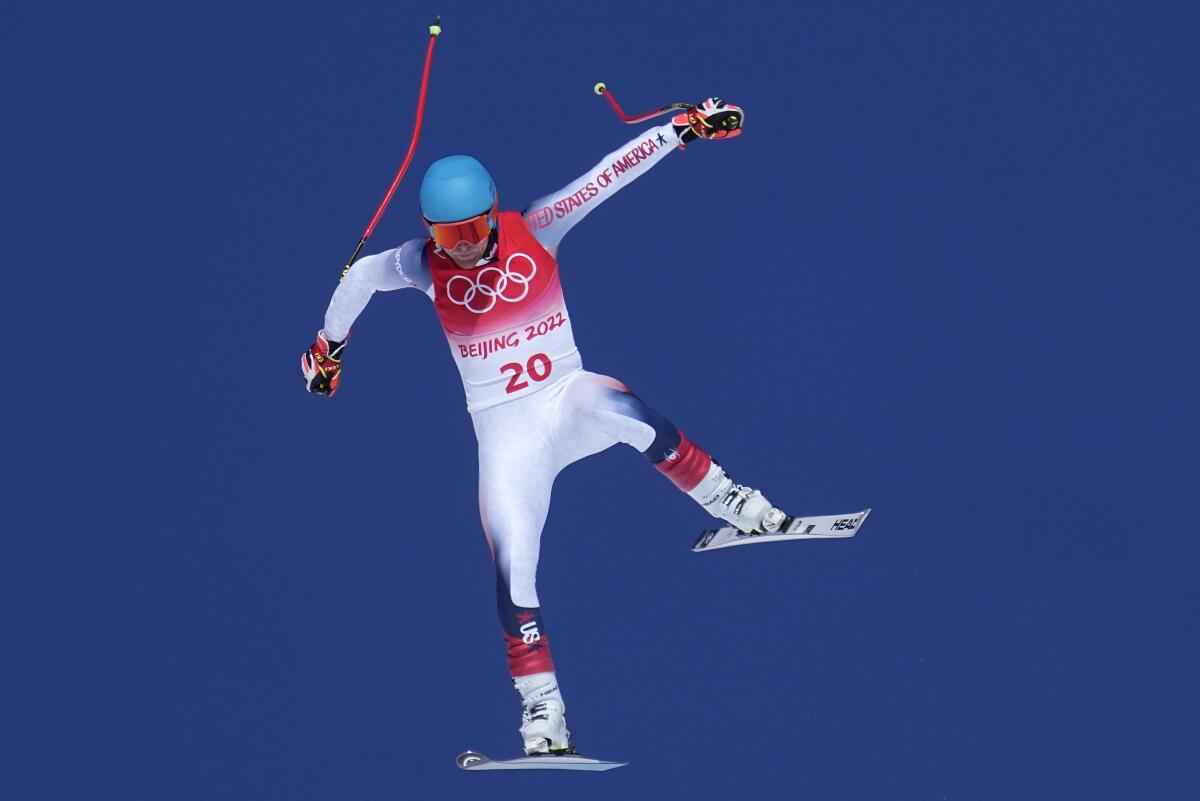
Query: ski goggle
472, 231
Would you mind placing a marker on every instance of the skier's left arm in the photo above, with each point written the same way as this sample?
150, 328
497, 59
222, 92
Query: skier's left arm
550, 217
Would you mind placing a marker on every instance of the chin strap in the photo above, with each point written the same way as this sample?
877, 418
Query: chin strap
493, 244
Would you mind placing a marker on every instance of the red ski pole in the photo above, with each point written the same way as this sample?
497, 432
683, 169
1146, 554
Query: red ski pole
601, 89
434, 31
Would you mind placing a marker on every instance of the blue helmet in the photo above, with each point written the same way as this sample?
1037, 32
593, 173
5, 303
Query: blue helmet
456, 188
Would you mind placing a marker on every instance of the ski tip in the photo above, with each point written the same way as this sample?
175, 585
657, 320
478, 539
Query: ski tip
469, 759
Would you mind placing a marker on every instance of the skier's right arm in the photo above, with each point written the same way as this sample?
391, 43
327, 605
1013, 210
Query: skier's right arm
398, 268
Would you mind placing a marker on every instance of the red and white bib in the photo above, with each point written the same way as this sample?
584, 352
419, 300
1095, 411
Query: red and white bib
506, 321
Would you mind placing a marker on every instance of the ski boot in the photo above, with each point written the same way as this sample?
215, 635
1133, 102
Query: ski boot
543, 725
744, 508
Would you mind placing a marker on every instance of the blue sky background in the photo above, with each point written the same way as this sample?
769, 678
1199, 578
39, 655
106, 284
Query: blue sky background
949, 272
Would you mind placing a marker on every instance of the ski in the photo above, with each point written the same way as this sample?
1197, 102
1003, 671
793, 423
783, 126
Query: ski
824, 527
473, 760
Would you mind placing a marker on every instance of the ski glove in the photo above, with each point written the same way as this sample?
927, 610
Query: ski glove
322, 365
713, 119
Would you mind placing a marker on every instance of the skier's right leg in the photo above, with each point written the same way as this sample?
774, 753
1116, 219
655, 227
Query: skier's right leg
516, 473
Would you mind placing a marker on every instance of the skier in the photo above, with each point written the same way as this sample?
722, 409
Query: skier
494, 282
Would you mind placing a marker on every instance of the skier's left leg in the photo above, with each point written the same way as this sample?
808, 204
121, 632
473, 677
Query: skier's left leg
604, 402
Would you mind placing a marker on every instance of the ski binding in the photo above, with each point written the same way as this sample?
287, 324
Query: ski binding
825, 527
473, 760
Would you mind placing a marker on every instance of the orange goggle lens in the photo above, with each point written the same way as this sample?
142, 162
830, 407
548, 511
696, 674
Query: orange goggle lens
472, 231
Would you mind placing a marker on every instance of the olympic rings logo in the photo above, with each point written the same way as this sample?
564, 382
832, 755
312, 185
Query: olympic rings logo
478, 297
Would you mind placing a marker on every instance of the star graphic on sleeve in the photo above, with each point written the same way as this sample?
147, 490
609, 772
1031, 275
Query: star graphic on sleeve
662, 140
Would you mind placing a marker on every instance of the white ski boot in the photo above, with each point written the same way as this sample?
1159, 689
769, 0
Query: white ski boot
744, 508
543, 725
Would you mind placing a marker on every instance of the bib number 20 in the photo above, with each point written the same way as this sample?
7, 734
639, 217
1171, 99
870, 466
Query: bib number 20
537, 367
